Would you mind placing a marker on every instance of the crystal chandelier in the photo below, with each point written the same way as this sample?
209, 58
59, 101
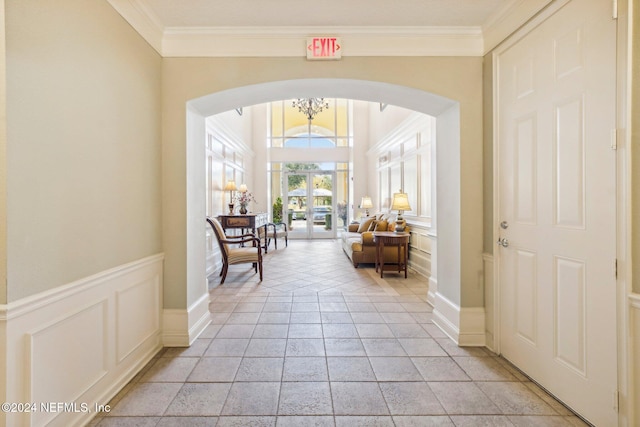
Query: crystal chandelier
310, 106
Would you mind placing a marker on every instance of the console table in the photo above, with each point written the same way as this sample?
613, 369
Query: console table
250, 221
389, 238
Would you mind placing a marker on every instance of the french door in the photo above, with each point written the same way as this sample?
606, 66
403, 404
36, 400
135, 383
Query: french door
310, 204
556, 100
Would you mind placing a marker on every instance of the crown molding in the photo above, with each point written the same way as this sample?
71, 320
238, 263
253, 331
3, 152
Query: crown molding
507, 20
142, 19
290, 41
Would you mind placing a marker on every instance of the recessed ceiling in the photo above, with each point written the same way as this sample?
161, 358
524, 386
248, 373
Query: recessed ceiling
267, 13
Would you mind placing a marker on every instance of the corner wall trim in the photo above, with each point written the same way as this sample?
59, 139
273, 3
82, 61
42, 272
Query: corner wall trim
465, 326
433, 290
182, 327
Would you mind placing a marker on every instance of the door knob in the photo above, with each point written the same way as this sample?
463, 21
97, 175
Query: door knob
503, 242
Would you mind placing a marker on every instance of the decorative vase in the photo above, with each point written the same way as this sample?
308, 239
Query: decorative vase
243, 209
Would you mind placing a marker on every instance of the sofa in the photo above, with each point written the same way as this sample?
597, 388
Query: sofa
358, 243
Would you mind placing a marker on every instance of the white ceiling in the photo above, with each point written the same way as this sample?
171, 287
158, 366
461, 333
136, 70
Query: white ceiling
366, 27
268, 13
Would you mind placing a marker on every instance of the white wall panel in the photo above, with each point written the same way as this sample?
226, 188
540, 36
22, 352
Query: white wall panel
81, 342
137, 315
68, 356
420, 250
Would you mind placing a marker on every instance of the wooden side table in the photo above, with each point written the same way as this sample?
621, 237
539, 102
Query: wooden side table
389, 238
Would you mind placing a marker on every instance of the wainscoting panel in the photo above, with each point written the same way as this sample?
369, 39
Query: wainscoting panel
137, 315
75, 346
420, 250
84, 358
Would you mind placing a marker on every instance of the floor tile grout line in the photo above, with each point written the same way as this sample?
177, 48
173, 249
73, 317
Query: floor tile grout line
388, 321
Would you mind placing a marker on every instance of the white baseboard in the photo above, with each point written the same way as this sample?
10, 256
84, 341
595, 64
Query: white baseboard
433, 290
81, 342
490, 300
465, 326
182, 327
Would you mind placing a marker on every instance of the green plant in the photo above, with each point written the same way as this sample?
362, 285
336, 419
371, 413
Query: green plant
327, 221
277, 210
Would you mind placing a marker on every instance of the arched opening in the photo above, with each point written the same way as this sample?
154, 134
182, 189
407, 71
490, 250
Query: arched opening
446, 219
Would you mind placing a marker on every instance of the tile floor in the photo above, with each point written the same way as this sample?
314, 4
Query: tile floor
320, 343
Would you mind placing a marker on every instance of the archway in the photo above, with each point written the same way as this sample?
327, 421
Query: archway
447, 219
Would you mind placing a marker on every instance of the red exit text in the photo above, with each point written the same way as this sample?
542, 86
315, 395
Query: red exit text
324, 48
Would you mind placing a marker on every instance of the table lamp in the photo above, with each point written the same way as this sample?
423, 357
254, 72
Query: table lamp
366, 204
230, 187
400, 203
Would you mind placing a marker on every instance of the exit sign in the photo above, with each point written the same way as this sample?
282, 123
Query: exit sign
324, 48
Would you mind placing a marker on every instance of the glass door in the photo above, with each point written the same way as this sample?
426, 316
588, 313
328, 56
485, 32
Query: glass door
310, 204
296, 203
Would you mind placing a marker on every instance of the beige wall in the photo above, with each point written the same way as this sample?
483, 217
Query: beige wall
83, 150
635, 146
3, 162
184, 79
487, 109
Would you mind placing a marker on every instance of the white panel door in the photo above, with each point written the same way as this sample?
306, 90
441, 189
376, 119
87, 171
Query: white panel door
556, 110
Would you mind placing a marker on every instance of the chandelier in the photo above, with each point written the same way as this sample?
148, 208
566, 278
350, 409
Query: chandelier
310, 106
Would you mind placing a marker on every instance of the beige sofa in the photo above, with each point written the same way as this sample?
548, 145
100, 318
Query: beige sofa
358, 243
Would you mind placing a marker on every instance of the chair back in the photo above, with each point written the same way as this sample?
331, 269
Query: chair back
219, 232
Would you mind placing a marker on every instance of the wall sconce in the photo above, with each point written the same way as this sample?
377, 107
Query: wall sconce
400, 203
366, 204
230, 187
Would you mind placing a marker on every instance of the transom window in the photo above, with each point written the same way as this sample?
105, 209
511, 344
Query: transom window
292, 129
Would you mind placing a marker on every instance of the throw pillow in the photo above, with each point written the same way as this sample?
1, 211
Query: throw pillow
373, 225
364, 225
381, 225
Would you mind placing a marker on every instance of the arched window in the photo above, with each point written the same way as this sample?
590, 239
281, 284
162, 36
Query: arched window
289, 128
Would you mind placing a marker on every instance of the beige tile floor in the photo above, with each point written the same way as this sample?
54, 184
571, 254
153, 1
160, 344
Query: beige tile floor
320, 343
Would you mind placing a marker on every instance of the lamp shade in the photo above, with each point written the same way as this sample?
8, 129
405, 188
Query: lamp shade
366, 203
400, 202
231, 186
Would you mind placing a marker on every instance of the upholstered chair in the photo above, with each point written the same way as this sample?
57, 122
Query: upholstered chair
232, 254
273, 231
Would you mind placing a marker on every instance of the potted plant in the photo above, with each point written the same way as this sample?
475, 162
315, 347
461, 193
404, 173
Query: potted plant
277, 210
